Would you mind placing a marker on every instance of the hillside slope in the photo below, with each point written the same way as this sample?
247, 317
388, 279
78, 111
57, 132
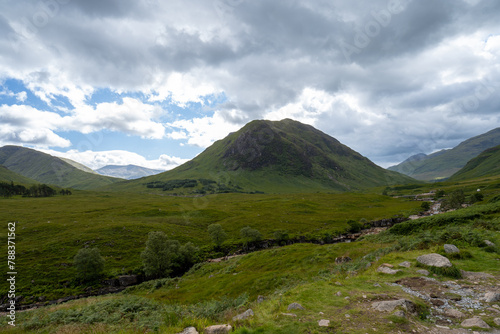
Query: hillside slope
273, 157
445, 163
485, 164
48, 169
7, 175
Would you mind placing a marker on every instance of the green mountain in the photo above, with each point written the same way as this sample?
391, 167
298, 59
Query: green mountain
443, 164
485, 164
272, 157
45, 168
7, 175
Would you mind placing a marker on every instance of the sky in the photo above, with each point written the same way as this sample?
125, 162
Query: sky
154, 83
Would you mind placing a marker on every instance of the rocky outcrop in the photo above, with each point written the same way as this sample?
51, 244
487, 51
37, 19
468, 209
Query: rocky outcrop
474, 322
295, 306
218, 329
189, 330
390, 305
387, 270
451, 249
247, 314
434, 260
491, 297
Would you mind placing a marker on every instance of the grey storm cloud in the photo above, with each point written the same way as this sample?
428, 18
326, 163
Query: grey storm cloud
263, 54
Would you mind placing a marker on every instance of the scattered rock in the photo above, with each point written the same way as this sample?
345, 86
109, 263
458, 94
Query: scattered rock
386, 270
474, 322
218, 329
423, 272
491, 297
489, 243
342, 259
406, 264
339, 293
434, 260
475, 275
451, 249
437, 302
497, 321
189, 330
289, 314
453, 313
390, 305
377, 285
338, 283
387, 265
248, 313
128, 280
324, 323
493, 310
399, 313
295, 306
260, 299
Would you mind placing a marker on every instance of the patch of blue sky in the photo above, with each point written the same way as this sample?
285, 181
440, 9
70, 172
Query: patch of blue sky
106, 140
9, 90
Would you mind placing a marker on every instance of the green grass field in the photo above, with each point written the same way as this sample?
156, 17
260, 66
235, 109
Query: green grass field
50, 231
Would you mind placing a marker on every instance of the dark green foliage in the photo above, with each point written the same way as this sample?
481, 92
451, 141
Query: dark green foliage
217, 234
250, 234
172, 184
281, 236
474, 198
89, 264
462, 255
354, 226
163, 256
452, 272
425, 206
440, 194
454, 200
40, 190
9, 189
438, 221
144, 312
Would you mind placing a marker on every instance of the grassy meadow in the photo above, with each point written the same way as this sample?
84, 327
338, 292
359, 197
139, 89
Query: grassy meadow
50, 231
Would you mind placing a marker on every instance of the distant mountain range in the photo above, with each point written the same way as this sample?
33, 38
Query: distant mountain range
45, 168
445, 163
272, 157
128, 172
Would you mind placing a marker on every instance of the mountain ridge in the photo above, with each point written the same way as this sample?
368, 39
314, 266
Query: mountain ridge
45, 168
444, 163
485, 164
278, 156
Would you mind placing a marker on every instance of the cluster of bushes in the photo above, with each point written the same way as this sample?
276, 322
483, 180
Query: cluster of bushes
173, 184
207, 186
39, 190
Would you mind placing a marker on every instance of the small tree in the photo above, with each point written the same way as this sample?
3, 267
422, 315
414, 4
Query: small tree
160, 255
354, 226
425, 206
89, 264
217, 234
250, 234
